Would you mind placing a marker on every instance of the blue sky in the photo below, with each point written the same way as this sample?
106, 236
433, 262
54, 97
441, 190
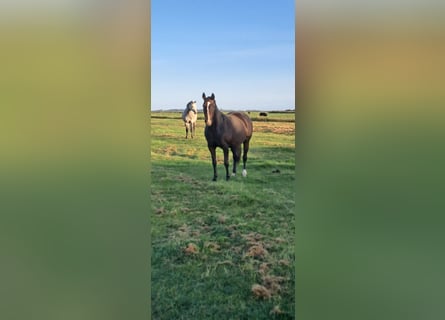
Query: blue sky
243, 51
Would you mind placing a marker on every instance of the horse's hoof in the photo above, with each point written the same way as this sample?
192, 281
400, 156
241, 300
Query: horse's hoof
233, 174
227, 178
244, 173
214, 179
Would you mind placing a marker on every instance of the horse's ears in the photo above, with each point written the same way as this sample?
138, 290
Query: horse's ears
211, 97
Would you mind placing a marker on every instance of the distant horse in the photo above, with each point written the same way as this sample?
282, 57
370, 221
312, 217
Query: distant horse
190, 116
226, 131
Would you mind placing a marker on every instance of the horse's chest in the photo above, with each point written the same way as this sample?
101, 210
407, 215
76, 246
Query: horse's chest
217, 138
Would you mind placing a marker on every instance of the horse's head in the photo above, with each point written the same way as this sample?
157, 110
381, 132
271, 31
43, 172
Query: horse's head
209, 107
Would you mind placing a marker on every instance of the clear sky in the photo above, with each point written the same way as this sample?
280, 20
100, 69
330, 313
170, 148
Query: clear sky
241, 50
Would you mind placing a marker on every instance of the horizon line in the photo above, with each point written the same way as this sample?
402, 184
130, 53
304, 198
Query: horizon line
229, 108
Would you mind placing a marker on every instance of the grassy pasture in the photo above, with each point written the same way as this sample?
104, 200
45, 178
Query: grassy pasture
222, 250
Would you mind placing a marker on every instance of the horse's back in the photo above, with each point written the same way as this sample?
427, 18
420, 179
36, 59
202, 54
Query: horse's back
241, 121
185, 114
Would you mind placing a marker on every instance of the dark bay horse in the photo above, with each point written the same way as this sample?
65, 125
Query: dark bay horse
227, 132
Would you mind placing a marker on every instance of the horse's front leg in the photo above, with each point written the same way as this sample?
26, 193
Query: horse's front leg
226, 161
213, 154
186, 131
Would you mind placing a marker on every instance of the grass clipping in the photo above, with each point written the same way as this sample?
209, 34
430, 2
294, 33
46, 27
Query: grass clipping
191, 249
260, 291
271, 286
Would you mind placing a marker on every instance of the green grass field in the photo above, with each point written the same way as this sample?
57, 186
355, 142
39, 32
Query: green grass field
225, 249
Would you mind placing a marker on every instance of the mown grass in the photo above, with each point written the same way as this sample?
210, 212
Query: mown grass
213, 241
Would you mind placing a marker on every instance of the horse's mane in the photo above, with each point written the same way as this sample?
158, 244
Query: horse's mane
191, 106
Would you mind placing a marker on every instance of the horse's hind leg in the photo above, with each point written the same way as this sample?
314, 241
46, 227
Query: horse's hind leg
246, 149
226, 161
236, 158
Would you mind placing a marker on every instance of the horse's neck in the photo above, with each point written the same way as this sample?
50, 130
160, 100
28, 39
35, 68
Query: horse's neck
218, 117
